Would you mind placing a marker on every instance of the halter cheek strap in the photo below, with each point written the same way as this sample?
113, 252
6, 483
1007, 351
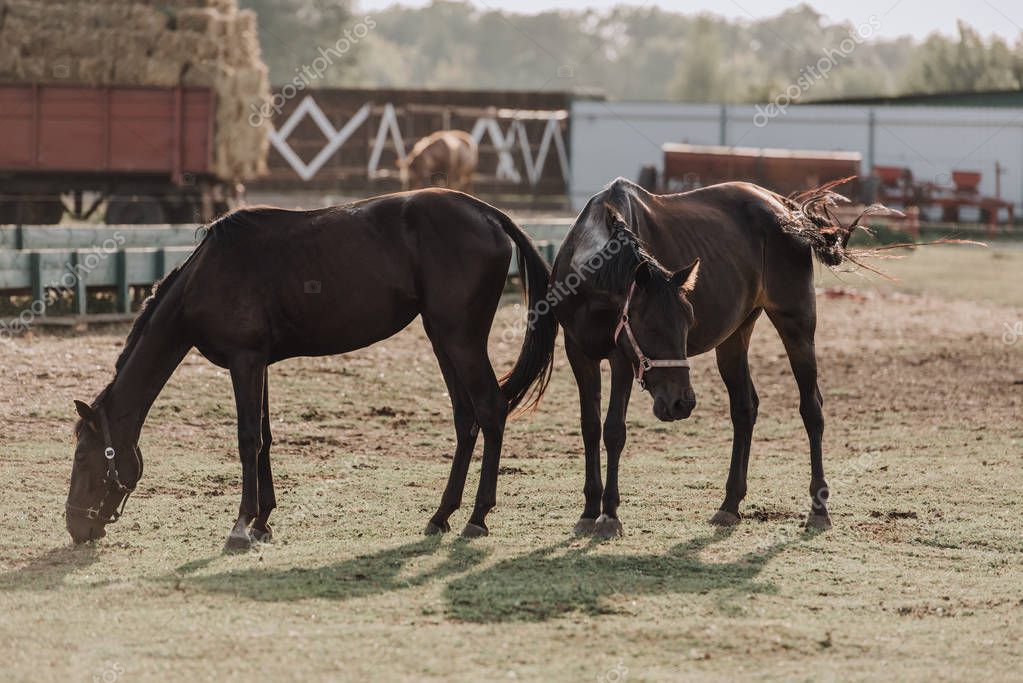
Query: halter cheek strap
112, 480
645, 364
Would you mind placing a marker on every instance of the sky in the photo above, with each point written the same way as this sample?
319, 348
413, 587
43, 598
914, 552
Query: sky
897, 17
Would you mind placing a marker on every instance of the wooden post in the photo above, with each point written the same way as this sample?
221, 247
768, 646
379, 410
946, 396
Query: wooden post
80, 298
160, 261
35, 267
723, 125
107, 124
176, 138
548, 252
34, 149
123, 290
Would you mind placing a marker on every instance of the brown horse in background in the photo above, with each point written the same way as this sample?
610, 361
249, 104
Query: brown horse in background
268, 284
446, 158
648, 280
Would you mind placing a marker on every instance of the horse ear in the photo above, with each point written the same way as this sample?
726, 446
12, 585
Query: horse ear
614, 218
685, 279
643, 274
86, 412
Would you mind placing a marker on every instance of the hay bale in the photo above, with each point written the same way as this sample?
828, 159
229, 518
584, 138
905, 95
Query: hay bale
162, 72
33, 68
148, 19
10, 57
204, 21
208, 43
95, 70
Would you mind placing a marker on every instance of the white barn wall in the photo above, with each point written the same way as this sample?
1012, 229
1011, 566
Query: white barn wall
611, 139
617, 138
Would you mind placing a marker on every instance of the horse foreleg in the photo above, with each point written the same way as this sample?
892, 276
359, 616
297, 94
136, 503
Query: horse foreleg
587, 378
247, 375
733, 364
608, 523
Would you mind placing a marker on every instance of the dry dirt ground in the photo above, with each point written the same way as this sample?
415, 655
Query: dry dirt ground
921, 578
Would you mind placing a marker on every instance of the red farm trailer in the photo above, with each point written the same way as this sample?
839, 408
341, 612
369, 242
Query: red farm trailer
146, 152
783, 170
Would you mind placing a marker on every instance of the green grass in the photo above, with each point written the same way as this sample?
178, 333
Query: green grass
919, 579
988, 275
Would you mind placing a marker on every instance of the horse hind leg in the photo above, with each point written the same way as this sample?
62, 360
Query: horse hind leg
468, 357
491, 412
466, 433
797, 334
261, 529
248, 371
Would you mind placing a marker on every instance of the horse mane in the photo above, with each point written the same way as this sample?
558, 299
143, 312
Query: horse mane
617, 272
157, 294
226, 228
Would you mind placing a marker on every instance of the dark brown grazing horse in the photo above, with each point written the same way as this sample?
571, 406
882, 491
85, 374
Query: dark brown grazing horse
267, 284
648, 280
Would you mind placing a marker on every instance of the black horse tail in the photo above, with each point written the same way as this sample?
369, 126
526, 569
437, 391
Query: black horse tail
812, 222
526, 382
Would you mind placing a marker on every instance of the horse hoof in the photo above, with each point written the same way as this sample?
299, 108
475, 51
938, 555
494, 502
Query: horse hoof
584, 527
474, 531
261, 535
607, 527
433, 529
236, 544
818, 522
725, 518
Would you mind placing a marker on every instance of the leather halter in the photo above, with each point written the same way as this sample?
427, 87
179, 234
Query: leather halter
645, 364
111, 480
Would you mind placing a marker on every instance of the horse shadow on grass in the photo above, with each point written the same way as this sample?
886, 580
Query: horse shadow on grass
49, 570
359, 576
544, 584
566, 578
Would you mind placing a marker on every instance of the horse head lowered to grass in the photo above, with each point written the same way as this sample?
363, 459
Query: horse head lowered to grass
268, 284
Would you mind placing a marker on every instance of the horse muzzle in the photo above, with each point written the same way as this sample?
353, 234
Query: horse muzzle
83, 530
676, 408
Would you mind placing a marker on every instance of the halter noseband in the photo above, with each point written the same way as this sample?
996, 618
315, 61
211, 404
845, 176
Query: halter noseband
111, 480
645, 363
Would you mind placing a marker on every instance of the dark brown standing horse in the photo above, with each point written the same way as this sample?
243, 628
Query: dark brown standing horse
267, 284
648, 280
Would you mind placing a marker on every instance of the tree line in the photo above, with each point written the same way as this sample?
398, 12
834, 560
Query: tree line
644, 53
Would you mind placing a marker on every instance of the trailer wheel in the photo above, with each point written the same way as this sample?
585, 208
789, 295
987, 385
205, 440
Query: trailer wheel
42, 211
184, 212
125, 210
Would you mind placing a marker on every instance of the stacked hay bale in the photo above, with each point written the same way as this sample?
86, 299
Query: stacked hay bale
208, 43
